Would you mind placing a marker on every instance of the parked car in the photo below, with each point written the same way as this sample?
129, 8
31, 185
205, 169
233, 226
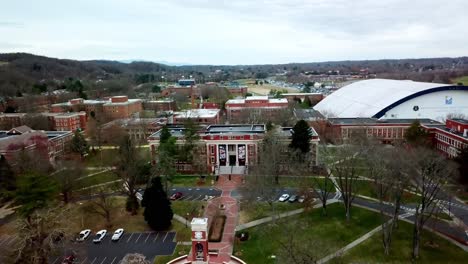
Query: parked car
117, 234
176, 196
301, 199
83, 235
70, 259
284, 197
100, 236
293, 198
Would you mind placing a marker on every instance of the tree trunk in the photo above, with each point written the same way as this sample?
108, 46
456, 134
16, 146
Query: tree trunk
66, 197
416, 237
324, 206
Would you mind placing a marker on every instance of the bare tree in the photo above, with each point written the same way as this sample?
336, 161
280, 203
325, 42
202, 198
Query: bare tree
431, 171
67, 175
134, 258
103, 206
128, 170
44, 234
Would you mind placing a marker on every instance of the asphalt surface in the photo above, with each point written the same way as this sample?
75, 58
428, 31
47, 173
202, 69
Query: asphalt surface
149, 244
195, 193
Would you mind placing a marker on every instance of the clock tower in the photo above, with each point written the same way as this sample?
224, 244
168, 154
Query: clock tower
199, 240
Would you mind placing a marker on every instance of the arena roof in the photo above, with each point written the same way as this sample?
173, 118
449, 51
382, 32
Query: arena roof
369, 97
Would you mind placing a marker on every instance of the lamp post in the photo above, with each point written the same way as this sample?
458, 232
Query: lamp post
186, 219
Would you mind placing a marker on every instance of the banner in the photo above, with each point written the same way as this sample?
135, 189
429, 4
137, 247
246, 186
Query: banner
222, 155
241, 154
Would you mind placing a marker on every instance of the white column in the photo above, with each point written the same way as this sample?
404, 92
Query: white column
237, 155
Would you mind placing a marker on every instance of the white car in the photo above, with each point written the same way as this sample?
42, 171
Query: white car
284, 197
83, 235
117, 234
301, 199
100, 236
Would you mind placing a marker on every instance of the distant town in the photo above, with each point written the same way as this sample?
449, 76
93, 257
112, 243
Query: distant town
332, 163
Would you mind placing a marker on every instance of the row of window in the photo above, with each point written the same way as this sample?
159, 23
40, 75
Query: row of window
452, 142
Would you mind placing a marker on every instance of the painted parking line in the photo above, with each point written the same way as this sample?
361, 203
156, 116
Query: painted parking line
157, 234
171, 236
165, 237
198, 197
136, 241
103, 260
149, 234
55, 260
113, 260
84, 260
93, 260
129, 237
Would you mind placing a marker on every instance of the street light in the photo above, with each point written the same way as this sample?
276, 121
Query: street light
186, 220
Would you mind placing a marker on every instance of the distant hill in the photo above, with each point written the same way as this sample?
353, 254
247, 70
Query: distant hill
19, 72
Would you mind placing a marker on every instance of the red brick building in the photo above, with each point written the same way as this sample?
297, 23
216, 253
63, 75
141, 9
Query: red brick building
159, 105
51, 143
137, 128
115, 107
260, 104
451, 138
228, 149
313, 97
67, 121
10, 120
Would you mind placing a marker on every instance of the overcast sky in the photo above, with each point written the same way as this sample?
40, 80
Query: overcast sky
235, 31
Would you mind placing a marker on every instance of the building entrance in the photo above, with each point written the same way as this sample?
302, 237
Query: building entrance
232, 160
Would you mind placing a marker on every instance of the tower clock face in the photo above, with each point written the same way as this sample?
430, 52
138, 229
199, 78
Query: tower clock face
198, 235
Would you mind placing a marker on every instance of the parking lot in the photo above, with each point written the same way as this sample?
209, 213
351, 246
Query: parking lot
195, 193
150, 244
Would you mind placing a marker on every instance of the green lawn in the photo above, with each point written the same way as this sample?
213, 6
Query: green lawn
193, 180
179, 251
371, 250
193, 208
367, 188
304, 182
463, 80
325, 234
258, 210
108, 157
99, 178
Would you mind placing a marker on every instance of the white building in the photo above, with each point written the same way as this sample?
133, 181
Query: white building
394, 99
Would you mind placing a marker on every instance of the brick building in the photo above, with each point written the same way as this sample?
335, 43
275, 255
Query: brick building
10, 120
451, 137
67, 121
387, 131
51, 143
185, 87
137, 128
115, 107
259, 104
313, 97
159, 105
227, 149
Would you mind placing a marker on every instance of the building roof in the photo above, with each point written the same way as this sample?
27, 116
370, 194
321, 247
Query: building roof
197, 113
253, 98
237, 129
359, 121
308, 114
369, 97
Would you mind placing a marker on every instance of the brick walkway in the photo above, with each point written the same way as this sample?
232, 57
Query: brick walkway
231, 210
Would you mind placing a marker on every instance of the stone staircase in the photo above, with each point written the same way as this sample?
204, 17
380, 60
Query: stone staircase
235, 170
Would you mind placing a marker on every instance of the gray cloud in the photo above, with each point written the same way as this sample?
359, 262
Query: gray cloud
241, 31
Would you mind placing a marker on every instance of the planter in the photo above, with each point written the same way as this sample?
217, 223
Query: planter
217, 228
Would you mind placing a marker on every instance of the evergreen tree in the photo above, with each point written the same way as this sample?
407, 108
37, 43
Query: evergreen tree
165, 135
158, 212
191, 137
301, 137
79, 144
35, 191
462, 160
7, 179
416, 135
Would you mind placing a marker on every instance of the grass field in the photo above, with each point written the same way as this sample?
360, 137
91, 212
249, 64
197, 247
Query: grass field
262, 89
324, 234
463, 79
187, 181
258, 210
371, 250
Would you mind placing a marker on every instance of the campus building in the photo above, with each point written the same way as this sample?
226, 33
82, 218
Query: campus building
228, 149
56, 121
396, 99
10, 120
51, 143
450, 138
113, 108
159, 105
199, 116
254, 104
138, 129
